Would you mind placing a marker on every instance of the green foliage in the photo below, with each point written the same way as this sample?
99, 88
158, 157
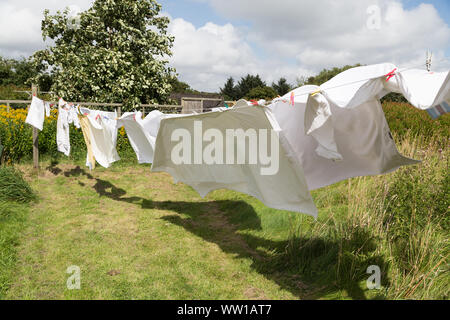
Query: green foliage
9, 92
230, 91
117, 54
235, 92
327, 74
14, 135
12, 222
180, 86
235, 242
15, 193
419, 195
394, 97
247, 83
404, 119
416, 225
282, 86
13, 187
266, 93
19, 72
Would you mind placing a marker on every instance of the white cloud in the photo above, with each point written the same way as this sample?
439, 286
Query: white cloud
316, 34
325, 33
204, 57
20, 23
296, 37
204, 54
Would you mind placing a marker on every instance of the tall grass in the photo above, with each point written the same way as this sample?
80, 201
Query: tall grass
13, 217
398, 221
15, 193
13, 187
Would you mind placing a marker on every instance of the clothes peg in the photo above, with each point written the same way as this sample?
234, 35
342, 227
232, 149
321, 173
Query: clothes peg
390, 75
429, 60
315, 93
292, 99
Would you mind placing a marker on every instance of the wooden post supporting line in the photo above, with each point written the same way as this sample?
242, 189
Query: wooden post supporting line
34, 91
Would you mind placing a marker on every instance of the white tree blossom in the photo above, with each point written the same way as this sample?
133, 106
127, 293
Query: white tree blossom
117, 52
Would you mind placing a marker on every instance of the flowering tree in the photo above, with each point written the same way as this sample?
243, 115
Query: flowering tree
116, 51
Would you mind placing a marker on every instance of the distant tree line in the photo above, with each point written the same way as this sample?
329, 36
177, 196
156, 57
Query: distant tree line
19, 72
252, 87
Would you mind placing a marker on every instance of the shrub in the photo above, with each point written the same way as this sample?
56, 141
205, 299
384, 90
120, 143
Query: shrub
266, 93
13, 187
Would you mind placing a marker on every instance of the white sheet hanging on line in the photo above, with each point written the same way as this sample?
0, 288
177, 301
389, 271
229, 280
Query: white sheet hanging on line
358, 86
142, 132
339, 131
103, 136
37, 112
220, 164
66, 115
142, 143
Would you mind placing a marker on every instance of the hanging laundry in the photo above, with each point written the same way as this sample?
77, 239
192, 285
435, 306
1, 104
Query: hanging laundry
359, 86
230, 159
339, 131
86, 129
66, 115
141, 142
439, 110
100, 132
37, 112
142, 133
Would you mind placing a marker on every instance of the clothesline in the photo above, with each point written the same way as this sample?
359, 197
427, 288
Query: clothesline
323, 152
163, 108
357, 81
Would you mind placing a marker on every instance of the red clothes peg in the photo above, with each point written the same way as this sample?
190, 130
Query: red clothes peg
390, 75
292, 100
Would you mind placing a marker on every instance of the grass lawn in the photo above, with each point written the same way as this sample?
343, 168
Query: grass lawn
137, 235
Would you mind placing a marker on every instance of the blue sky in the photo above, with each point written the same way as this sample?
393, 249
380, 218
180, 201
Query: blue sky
246, 19
215, 39
443, 6
199, 12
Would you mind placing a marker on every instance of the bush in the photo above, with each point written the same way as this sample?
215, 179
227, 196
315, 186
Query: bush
266, 93
13, 187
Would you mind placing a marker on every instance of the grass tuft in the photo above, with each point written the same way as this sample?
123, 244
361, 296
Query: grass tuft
13, 187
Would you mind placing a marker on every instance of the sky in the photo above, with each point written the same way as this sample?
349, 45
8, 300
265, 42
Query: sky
216, 39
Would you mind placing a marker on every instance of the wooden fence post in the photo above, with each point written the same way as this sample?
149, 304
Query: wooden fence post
8, 107
34, 91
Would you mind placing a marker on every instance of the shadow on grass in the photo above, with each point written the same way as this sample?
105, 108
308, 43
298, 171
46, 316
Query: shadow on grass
308, 267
